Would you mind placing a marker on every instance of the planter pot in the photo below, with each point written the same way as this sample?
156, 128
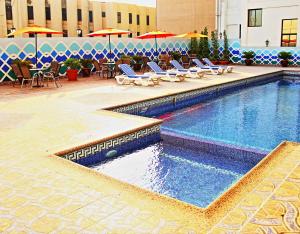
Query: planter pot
284, 63
215, 62
137, 67
72, 75
248, 62
223, 62
86, 72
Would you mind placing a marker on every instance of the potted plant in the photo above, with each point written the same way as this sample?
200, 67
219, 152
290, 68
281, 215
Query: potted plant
284, 56
86, 67
215, 47
248, 56
226, 53
175, 55
125, 59
137, 62
73, 67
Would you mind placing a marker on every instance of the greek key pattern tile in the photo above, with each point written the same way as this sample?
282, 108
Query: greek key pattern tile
142, 107
111, 144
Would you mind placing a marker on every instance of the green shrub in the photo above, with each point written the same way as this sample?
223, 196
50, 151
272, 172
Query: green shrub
73, 63
215, 46
175, 55
86, 63
248, 54
284, 55
226, 52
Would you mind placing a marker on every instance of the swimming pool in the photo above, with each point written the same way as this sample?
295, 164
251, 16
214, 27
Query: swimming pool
258, 117
192, 176
209, 146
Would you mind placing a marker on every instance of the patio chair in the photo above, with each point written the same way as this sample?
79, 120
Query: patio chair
104, 68
27, 77
211, 70
131, 77
185, 62
167, 75
53, 74
226, 68
164, 61
16, 70
100, 69
145, 61
191, 73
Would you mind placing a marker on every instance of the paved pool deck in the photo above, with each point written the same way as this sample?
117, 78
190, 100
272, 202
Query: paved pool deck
41, 193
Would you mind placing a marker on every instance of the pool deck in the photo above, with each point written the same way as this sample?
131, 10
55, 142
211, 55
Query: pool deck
41, 193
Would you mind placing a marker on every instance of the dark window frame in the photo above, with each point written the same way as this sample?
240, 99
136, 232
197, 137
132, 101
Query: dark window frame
255, 25
147, 20
103, 14
130, 18
8, 11
48, 12
65, 33
91, 17
30, 13
79, 15
119, 17
64, 14
287, 34
137, 19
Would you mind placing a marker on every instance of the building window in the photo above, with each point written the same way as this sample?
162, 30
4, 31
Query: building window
255, 18
65, 33
79, 15
48, 13
49, 35
64, 14
119, 35
240, 31
130, 35
30, 12
8, 10
130, 18
103, 14
91, 17
31, 34
138, 33
148, 20
119, 17
289, 32
138, 19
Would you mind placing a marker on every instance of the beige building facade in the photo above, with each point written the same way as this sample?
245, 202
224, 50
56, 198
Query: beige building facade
76, 17
181, 16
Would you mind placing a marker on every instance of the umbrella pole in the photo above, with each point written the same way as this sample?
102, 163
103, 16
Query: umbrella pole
36, 53
156, 48
109, 47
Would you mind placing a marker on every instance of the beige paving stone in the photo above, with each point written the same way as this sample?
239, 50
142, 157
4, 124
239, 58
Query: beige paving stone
41, 194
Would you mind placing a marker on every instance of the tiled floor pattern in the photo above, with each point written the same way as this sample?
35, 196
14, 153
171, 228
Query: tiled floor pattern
43, 194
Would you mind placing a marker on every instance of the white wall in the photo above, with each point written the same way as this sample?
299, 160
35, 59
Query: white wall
235, 12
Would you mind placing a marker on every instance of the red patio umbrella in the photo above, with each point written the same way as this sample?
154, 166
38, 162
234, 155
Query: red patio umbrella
155, 35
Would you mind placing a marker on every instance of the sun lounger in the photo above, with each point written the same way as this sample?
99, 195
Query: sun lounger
130, 77
226, 68
166, 75
212, 70
191, 73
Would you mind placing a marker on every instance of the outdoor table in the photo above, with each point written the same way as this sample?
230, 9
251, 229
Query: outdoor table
39, 72
111, 68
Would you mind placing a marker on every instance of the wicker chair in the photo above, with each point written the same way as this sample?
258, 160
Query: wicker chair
27, 75
53, 74
185, 61
16, 70
145, 60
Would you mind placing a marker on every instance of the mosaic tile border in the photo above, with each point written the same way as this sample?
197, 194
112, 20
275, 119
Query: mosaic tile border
155, 106
116, 145
249, 155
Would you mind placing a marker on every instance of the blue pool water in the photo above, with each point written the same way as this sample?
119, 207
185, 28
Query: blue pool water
258, 117
191, 176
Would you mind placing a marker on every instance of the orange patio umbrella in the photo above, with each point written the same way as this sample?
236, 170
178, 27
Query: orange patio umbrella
109, 32
34, 29
155, 35
191, 35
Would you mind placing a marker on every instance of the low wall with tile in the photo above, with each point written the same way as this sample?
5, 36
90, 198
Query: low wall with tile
60, 49
158, 106
96, 152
